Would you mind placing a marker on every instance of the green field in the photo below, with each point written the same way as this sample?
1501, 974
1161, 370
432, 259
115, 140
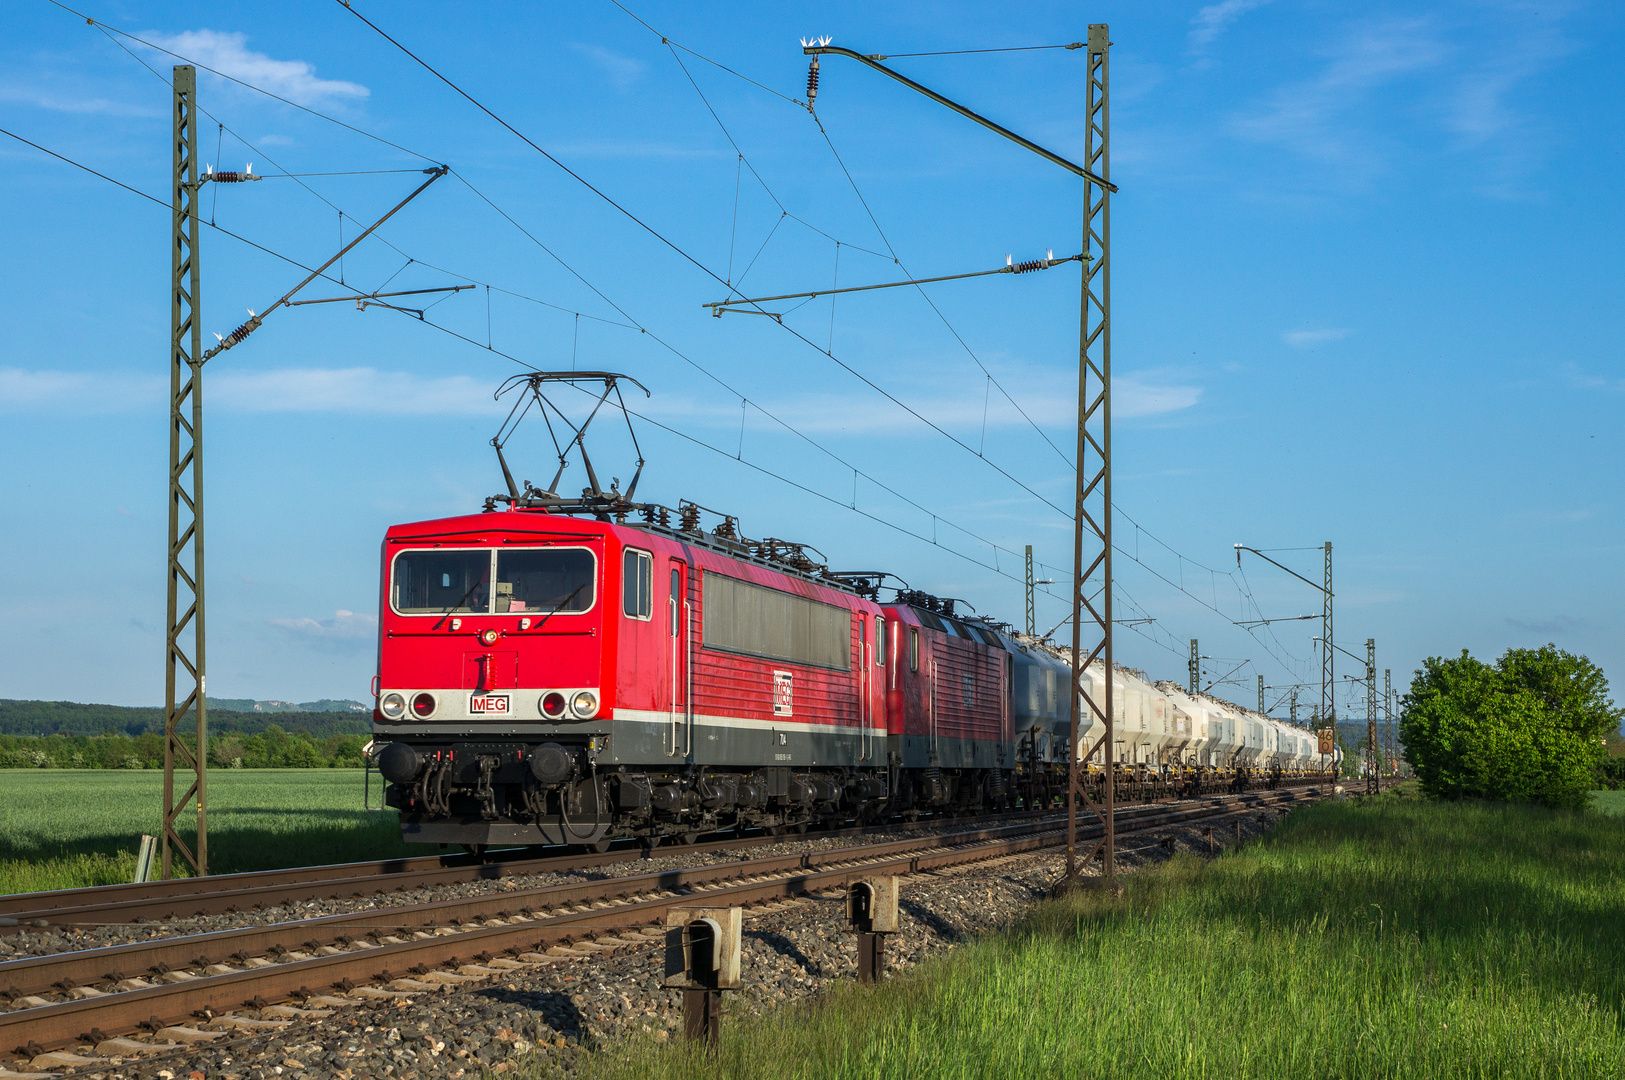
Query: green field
1611, 803
59, 829
1393, 939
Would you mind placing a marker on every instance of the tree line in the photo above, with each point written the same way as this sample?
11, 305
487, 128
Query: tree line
270, 748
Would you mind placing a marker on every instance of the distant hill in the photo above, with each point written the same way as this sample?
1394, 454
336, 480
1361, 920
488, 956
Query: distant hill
324, 705
72, 718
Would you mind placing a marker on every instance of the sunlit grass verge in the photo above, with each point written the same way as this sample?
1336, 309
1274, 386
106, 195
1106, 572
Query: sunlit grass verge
60, 829
1394, 939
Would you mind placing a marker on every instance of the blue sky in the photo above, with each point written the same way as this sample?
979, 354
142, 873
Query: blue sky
1366, 290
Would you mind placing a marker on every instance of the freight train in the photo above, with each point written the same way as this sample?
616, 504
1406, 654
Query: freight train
550, 676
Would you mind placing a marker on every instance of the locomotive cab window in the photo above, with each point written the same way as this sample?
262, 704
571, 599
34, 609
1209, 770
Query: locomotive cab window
914, 648
637, 583
547, 580
880, 641
438, 581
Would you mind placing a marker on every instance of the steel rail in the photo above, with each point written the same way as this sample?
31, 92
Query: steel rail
223, 893
590, 908
226, 893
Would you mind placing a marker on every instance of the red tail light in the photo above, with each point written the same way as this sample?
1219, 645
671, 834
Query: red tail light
423, 705
553, 705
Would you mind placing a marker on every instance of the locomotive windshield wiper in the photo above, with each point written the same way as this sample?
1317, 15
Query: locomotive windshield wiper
561, 606
461, 602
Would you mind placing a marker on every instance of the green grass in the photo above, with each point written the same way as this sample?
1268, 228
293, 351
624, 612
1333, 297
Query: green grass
62, 828
1611, 803
1394, 939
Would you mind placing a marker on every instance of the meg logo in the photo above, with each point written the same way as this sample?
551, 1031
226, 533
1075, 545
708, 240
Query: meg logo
783, 692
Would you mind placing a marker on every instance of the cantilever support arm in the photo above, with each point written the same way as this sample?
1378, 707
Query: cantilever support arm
1072, 167
254, 321
1312, 584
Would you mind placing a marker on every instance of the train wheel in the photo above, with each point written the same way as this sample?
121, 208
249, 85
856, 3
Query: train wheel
691, 837
477, 850
651, 842
600, 846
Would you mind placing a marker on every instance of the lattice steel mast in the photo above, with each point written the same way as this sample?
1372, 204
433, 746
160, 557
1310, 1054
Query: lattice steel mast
184, 662
1328, 711
1032, 620
1092, 524
1371, 751
1093, 513
1390, 747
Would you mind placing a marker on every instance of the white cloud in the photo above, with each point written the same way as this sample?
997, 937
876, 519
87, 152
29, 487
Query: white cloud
1208, 23
356, 390
1313, 339
1048, 399
1579, 379
81, 391
74, 103
227, 53
345, 628
1303, 115
1135, 396
319, 390
623, 71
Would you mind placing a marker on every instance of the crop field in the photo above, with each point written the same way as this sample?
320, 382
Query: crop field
1393, 939
64, 828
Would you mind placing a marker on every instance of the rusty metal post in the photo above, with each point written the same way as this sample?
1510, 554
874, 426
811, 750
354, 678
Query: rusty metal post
871, 957
702, 1016
183, 672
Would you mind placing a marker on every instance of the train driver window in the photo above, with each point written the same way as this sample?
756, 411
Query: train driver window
438, 581
880, 641
914, 648
637, 583
548, 580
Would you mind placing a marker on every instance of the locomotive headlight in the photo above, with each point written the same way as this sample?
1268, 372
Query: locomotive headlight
392, 705
553, 705
584, 704
489, 637
423, 706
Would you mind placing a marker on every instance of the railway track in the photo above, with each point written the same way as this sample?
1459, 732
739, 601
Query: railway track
77, 1009
226, 893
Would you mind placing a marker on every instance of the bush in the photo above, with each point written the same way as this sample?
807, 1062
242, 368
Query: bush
1530, 728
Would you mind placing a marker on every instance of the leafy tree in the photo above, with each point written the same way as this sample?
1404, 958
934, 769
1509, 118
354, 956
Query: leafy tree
1529, 728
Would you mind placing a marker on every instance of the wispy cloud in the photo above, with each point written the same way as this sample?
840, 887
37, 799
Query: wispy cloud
227, 53
1561, 624
1211, 21
79, 391
1313, 339
58, 101
346, 630
623, 71
1047, 401
362, 389
1579, 379
316, 390
1305, 115
633, 148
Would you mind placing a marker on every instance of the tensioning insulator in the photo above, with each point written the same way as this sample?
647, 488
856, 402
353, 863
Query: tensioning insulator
1031, 264
812, 83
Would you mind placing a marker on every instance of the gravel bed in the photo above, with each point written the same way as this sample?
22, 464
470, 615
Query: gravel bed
45, 942
547, 1017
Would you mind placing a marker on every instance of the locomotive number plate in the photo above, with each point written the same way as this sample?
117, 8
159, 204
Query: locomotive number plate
488, 704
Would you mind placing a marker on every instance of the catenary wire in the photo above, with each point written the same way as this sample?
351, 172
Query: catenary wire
397, 146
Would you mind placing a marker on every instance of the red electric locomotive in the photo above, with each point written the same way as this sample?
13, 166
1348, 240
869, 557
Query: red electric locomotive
575, 671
